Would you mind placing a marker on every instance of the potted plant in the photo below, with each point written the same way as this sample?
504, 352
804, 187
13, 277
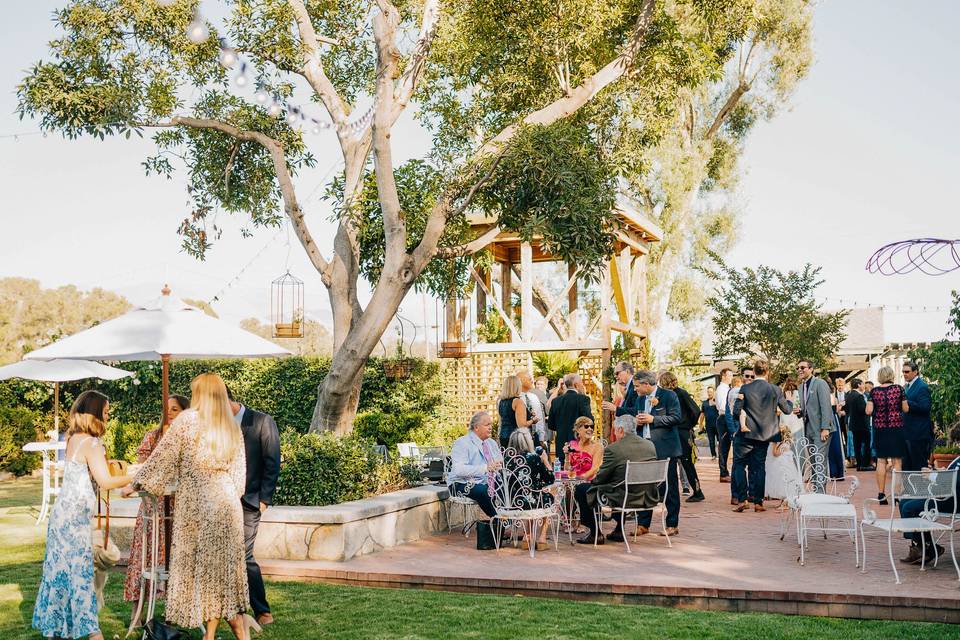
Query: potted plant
943, 455
399, 367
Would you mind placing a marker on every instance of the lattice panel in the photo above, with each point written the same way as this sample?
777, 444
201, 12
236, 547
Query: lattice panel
592, 374
473, 383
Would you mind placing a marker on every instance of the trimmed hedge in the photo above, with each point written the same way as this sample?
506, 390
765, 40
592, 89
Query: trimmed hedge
318, 470
18, 426
122, 439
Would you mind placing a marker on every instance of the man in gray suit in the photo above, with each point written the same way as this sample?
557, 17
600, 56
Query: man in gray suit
817, 414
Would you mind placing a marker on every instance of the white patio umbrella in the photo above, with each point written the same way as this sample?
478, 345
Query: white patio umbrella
163, 329
57, 371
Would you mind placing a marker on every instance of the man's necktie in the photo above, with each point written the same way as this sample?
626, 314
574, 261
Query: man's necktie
488, 456
649, 409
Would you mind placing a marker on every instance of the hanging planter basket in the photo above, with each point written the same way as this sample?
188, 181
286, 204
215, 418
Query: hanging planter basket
453, 349
398, 369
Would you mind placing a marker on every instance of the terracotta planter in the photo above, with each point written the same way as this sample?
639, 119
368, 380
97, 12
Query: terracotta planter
398, 369
453, 350
942, 460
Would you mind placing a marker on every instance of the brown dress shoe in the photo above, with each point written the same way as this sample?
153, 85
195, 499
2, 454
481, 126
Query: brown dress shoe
741, 507
725, 479
642, 530
759, 507
264, 619
914, 556
670, 531
734, 501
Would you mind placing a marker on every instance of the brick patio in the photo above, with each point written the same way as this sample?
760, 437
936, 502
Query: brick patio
720, 561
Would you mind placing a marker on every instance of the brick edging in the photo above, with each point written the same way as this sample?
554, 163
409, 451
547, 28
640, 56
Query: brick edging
843, 605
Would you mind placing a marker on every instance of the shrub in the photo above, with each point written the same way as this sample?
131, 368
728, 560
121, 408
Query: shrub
18, 427
122, 439
322, 469
388, 429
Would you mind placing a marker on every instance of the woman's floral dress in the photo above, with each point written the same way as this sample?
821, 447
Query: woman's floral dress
66, 604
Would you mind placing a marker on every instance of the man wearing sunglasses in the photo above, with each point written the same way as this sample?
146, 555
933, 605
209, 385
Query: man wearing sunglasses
816, 411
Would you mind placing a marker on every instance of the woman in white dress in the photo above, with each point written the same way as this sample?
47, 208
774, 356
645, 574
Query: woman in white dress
780, 465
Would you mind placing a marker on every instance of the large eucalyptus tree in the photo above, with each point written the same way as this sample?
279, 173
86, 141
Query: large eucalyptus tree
536, 108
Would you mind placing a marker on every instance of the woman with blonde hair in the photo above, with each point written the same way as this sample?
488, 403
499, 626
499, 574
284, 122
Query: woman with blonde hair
514, 413
203, 454
584, 455
66, 604
885, 407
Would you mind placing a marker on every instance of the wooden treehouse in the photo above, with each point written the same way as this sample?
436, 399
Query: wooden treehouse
521, 288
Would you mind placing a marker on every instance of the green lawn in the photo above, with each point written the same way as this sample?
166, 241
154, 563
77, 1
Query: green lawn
310, 610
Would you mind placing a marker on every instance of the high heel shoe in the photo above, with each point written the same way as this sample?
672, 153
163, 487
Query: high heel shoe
250, 623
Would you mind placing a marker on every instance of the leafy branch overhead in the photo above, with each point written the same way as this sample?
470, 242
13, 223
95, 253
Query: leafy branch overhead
766, 312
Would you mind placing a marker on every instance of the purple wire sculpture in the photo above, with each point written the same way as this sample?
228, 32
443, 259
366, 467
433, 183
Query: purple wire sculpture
932, 256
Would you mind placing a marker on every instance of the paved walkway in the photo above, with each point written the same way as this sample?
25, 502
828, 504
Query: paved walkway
719, 557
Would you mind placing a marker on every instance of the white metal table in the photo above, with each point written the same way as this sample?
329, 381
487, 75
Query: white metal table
50, 471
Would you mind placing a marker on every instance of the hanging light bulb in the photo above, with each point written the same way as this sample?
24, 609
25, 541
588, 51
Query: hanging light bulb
228, 57
316, 130
292, 118
197, 30
262, 97
275, 110
241, 80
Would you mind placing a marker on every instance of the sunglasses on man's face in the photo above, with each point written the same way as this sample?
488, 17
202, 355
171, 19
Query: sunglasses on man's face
801, 367
747, 376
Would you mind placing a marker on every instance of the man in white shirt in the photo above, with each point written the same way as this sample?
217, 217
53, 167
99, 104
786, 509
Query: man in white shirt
723, 434
530, 398
475, 460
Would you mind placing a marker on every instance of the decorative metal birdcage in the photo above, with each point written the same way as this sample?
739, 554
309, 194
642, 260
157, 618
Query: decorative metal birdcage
286, 306
453, 328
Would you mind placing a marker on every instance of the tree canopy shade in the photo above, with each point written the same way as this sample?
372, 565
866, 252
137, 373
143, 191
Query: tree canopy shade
769, 313
538, 110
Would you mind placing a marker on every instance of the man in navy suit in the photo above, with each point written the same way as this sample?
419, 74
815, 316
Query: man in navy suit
623, 372
658, 414
917, 426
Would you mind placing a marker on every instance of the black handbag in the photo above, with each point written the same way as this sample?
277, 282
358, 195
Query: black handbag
156, 629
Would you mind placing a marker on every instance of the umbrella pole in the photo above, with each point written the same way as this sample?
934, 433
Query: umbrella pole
56, 408
165, 363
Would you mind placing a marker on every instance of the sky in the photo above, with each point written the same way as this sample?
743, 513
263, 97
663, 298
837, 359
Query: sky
866, 154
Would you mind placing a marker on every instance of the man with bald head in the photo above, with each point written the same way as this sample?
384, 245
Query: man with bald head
565, 409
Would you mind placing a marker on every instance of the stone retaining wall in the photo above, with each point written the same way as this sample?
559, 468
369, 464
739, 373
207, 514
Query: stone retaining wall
335, 532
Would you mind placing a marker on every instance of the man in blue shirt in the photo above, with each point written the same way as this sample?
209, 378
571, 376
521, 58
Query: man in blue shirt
475, 460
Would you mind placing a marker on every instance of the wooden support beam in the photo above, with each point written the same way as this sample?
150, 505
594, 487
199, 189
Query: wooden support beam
625, 327
572, 303
644, 308
506, 287
526, 290
571, 282
637, 245
606, 350
544, 345
626, 262
481, 297
617, 287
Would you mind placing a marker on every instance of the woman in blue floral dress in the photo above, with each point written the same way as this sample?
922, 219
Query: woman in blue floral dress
67, 603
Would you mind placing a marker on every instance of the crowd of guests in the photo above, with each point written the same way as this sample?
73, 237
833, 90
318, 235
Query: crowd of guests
224, 460
753, 428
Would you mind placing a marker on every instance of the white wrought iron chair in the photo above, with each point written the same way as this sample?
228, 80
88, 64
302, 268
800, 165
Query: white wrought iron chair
51, 472
930, 486
458, 499
802, 482
635, 476
517, 501
408, 451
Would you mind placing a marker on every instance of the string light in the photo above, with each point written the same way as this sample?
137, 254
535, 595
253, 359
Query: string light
895, 308
228, 58
262, 97
166, 3
197, 31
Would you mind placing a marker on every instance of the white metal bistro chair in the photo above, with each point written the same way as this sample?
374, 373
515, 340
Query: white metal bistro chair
636, 476
458, 499
518, 502
809, 474
824, 516
935, 488
408, 451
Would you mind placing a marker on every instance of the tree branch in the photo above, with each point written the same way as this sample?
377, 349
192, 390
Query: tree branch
583, 93
313, 70
470, 248
418, 57
725, 110
290, 205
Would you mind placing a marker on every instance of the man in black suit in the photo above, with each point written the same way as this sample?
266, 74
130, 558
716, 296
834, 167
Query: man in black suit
657, 413
261, 441
858, 425
623, 372
755, 410
565, 409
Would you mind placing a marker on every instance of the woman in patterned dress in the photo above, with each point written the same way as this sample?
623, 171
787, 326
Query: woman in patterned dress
131, 588
203, 454
66, 604
884, 406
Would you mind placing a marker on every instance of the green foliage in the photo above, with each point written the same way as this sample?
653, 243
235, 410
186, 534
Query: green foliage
555, 182
555, 364
317, 470
18, 426
122, 439
388, 429
769, 313
940, 364
493, 329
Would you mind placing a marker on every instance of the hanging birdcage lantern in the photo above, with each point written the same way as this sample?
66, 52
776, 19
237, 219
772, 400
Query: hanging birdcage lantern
453, 329
286, 306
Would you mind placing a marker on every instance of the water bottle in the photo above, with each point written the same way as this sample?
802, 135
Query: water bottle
556, 466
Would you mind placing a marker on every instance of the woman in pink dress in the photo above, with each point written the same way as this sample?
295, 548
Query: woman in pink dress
131, 587
585, 454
